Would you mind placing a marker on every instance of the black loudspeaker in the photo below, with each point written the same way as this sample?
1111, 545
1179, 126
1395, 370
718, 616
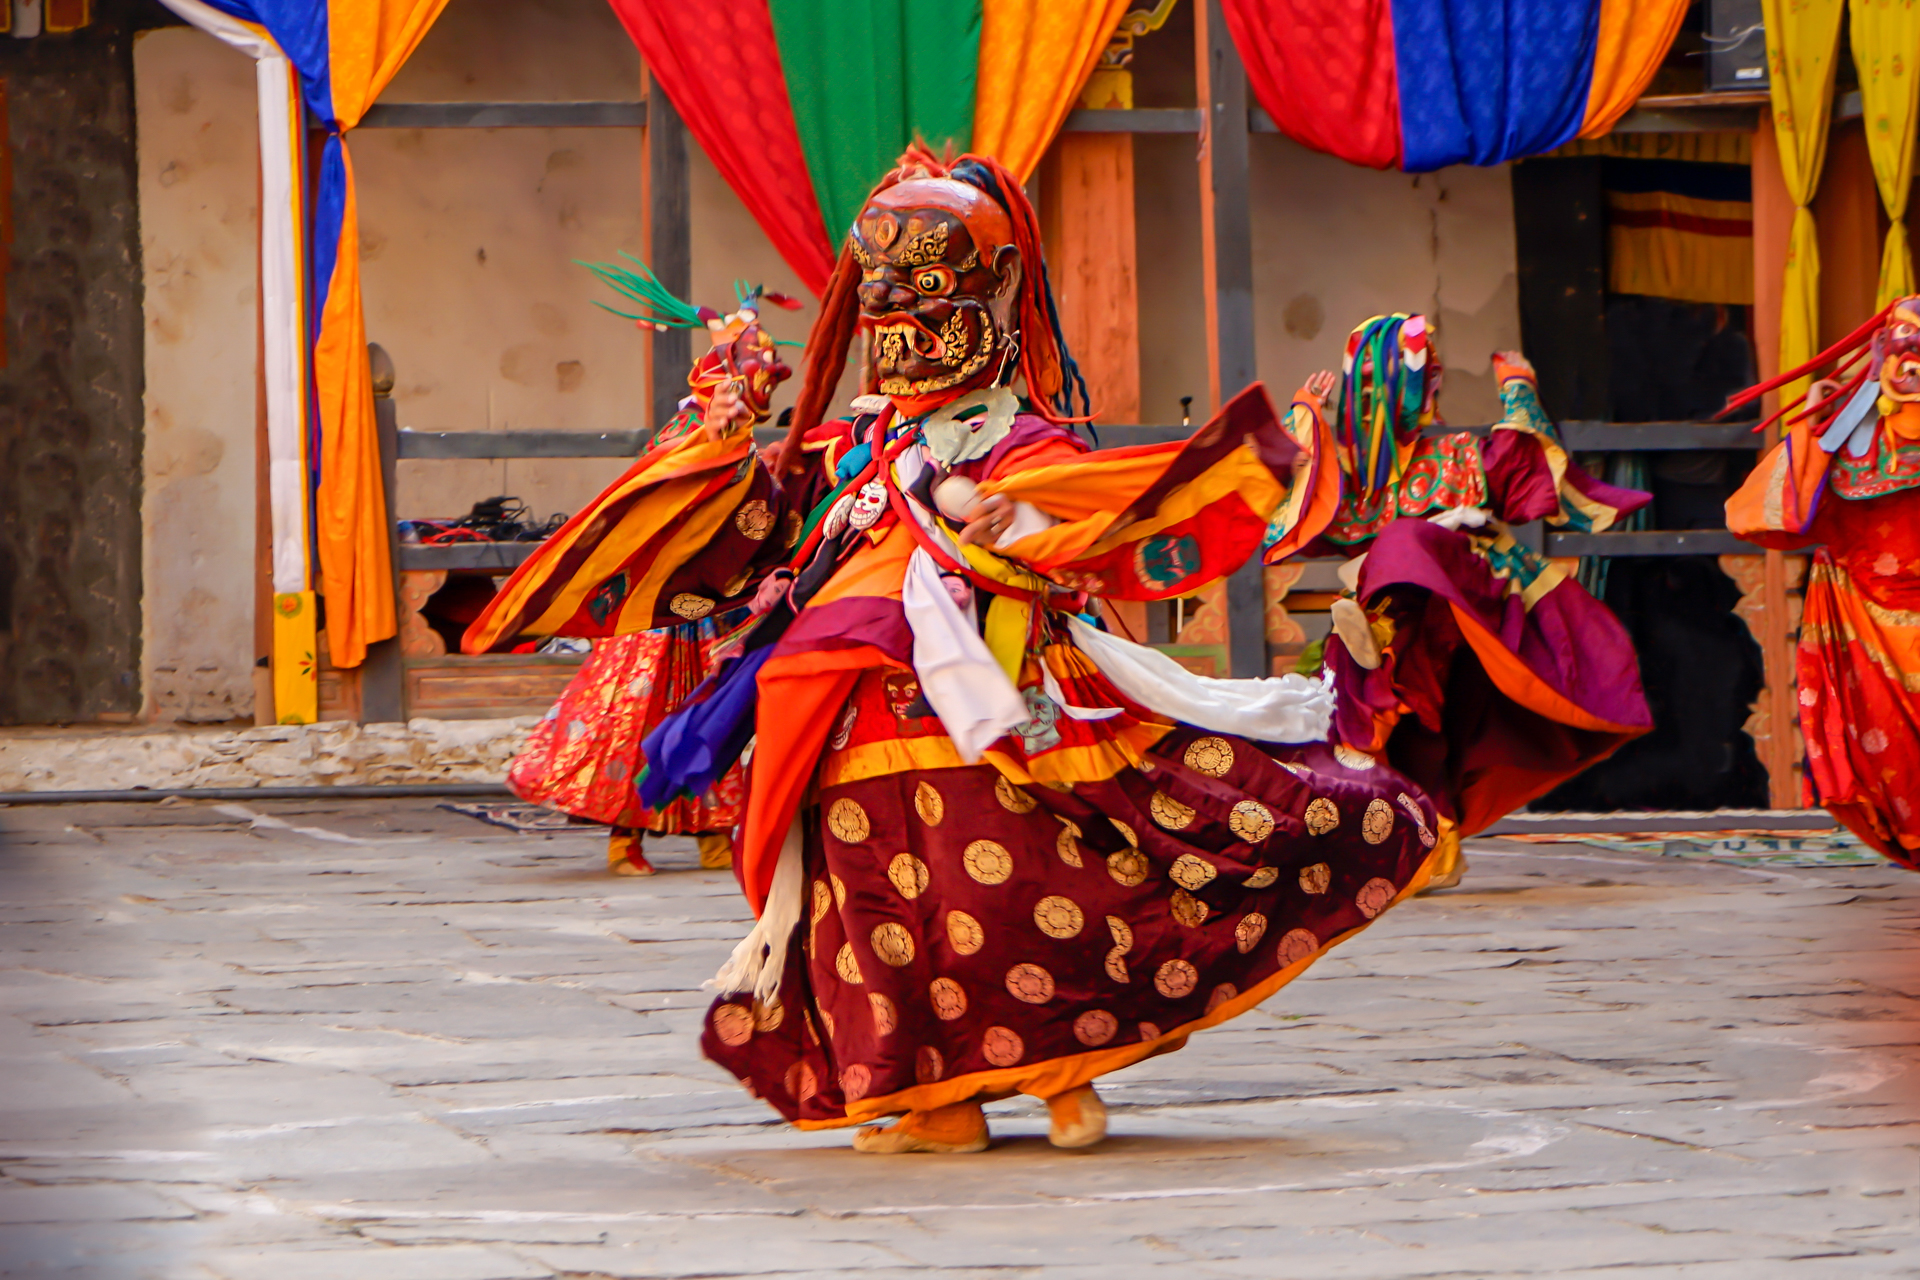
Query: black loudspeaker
1736, 45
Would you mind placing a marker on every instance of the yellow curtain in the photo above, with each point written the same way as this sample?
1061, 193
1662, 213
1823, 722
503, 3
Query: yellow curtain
1035, 57
368, 42
1886, 42
1633, 40
1802, 39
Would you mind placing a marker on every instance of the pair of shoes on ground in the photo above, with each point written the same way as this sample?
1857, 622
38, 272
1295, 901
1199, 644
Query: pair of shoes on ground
1079, 1119
624, 856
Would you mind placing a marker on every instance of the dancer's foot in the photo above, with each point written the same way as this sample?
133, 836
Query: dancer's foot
624, 857
1449, 863
1079, 1118
957, 1129
716, 850
1356, 632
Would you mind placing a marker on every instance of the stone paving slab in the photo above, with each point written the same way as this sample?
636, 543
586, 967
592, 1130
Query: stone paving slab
380, 1041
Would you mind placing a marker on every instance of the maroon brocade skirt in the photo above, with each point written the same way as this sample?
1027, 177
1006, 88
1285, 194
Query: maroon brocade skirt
965, 937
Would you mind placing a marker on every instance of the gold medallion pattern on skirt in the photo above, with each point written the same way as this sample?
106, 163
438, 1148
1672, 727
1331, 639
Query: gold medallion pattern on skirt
1176, 978
796, 525
768, 1017
1247, 934
886, 1018
1263, 877
1191, 871
754, 519
892, 943
826, 1016
1221, 994
733, 1024
1031, 983
1066, 845
1316, 878
928, 1065
928, 803
1251, 821
964, 933
855, 1081
1148, 1032
800, 1082
846, 966
1116, 965
987, 861
1128, 867
848, 821
1122, 933
1419, 819
839, 891
1374, 896
1013, 799
1323, 815
949, 999
690, 606
1211, 756
1296, 945
1187, 909
1095, 1027
1352, 758
1058, 917
822, 899
1377, 825
1170, 813
1126, 832
1002, 1046
909, 875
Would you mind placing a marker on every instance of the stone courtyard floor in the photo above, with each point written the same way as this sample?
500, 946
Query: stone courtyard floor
380, 1041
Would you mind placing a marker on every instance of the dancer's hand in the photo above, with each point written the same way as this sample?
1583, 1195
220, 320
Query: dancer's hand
1320, 385
723, 411
987, 520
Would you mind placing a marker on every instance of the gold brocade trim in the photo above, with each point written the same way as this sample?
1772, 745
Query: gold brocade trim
1059, 1075
1063, 766
890, 755
1843, 594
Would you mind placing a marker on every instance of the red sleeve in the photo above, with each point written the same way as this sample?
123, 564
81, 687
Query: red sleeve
1520, 484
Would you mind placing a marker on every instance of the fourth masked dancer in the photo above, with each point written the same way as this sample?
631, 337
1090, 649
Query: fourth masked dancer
583, 758
1846, 476
1483, 672
992, 849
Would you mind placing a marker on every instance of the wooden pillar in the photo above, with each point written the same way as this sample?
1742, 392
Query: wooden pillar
1772, 220
264, 712
1226, 246
1847, 215
666, 230
383, 675
1086, 210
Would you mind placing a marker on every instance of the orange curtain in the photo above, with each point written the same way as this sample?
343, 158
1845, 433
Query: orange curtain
1035, 57
1634, 38
368, 42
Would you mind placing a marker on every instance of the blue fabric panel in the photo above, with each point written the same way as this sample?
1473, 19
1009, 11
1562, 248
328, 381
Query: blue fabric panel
1487, 81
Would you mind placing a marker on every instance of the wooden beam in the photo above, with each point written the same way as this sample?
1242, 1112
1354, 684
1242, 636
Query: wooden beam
1691, 542
1226, 241
505, 115
1140, 120
1772, 220
1086, 211
1846, 214
520, 444
668, 234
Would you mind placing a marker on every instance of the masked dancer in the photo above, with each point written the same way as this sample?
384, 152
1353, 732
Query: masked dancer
1484, 672
992, 849
1846, 477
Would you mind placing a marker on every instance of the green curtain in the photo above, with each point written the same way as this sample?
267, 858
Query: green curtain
866, 77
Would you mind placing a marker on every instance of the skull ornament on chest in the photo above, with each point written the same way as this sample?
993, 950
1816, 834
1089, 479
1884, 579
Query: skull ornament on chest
868, 505
937, 283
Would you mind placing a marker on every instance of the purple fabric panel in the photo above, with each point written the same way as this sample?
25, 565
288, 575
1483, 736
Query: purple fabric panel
1625, 501
1520, 484
1027, 429
845, 624
1568, 639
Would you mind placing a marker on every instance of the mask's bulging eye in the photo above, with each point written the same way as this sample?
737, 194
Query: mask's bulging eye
933, 281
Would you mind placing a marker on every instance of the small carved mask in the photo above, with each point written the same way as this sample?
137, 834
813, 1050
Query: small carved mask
1900, 369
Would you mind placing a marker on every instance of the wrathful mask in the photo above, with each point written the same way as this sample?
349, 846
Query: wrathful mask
1900, 367
744, 356
938, 277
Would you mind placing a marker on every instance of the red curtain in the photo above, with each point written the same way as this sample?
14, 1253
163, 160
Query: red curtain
1324, 71
717, 62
